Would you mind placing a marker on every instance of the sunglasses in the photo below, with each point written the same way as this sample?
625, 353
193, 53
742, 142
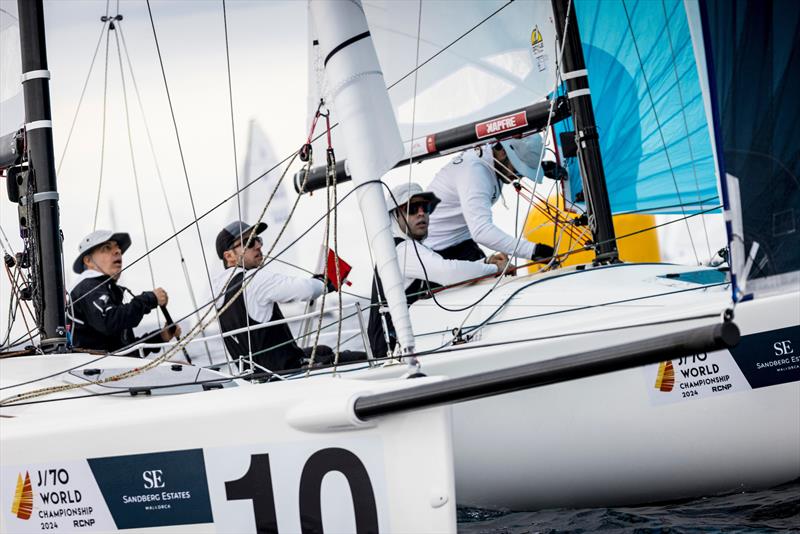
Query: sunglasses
253, 242
424, 205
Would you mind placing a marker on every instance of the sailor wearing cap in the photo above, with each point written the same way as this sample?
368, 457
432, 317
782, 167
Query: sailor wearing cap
410, 209
273, 347
469, 185
102, 321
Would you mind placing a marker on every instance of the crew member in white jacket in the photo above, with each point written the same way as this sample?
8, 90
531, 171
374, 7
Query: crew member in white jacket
272, 347
469, 185
423, 269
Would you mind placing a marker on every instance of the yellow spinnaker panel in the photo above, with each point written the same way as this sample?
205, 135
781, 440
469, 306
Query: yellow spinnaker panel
638, 248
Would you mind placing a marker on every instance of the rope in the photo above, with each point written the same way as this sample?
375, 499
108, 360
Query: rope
235, 165
658, 125
180, 148
133, 168
459, 348
326, 240
183, 342
457, 39
103, 133
83, 93
291, 156
686, 127
164, 195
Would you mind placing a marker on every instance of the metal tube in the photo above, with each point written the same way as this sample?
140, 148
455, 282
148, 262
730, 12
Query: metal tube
522, 121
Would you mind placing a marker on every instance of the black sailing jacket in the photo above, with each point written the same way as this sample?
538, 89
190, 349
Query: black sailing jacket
102, 321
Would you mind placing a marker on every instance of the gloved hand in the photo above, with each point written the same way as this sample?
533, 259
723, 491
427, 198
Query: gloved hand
329, 287
542, 251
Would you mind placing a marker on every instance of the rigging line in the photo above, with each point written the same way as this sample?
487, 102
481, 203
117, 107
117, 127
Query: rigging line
235, 164
686, 126
457, 39
648, 229
200, 326
459, 348
12, 319
10, 250
290, 156
133, 168
413, 119
657, 209
124, 390
325, 264
308, 271
658, 125
103, 134
83, 93
538, 170
195, 329
164, 195
180, 148
16, 294
12, 310
488, 321
40, 378
338, 274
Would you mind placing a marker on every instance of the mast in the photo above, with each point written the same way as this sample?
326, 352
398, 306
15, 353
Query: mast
42, 196
586, 136
370, 135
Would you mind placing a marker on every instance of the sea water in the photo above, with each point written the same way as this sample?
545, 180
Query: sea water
772, 510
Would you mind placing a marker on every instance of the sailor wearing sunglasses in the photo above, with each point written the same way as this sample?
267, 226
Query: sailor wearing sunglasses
272, 347
469, 185
410, 209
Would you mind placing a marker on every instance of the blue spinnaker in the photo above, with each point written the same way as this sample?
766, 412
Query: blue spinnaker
648, 107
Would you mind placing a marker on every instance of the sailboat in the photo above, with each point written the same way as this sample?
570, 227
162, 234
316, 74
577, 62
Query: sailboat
611, 438
687, 427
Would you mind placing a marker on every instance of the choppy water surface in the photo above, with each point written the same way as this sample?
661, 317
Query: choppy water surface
776, 509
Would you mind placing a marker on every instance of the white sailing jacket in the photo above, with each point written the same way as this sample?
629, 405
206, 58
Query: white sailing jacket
469, 188
440, 271
266, 289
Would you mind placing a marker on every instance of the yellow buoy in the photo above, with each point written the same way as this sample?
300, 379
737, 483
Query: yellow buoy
638, 248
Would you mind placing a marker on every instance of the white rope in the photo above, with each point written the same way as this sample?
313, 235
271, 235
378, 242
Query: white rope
135, 173
103, 133
164, 195
236, 171
686, 130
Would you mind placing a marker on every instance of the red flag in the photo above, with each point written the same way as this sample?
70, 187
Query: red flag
344, 270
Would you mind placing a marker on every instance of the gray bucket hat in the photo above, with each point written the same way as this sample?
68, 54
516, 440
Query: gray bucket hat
524, 154
98, 237
402, 193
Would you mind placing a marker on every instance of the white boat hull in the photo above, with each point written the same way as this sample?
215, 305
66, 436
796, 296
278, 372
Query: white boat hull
616, 439
285, 457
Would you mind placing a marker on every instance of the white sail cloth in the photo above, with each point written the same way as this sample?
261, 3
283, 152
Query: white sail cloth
12, 110
368, 130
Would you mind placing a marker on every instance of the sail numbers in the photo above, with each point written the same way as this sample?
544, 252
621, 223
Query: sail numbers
257, 485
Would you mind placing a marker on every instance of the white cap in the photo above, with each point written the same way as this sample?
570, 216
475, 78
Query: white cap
98, 237
404, 192
525, 154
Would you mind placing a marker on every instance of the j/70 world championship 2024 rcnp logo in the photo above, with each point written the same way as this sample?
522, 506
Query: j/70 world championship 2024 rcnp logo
22, 505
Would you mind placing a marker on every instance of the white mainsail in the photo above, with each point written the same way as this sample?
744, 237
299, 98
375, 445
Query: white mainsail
12, 111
